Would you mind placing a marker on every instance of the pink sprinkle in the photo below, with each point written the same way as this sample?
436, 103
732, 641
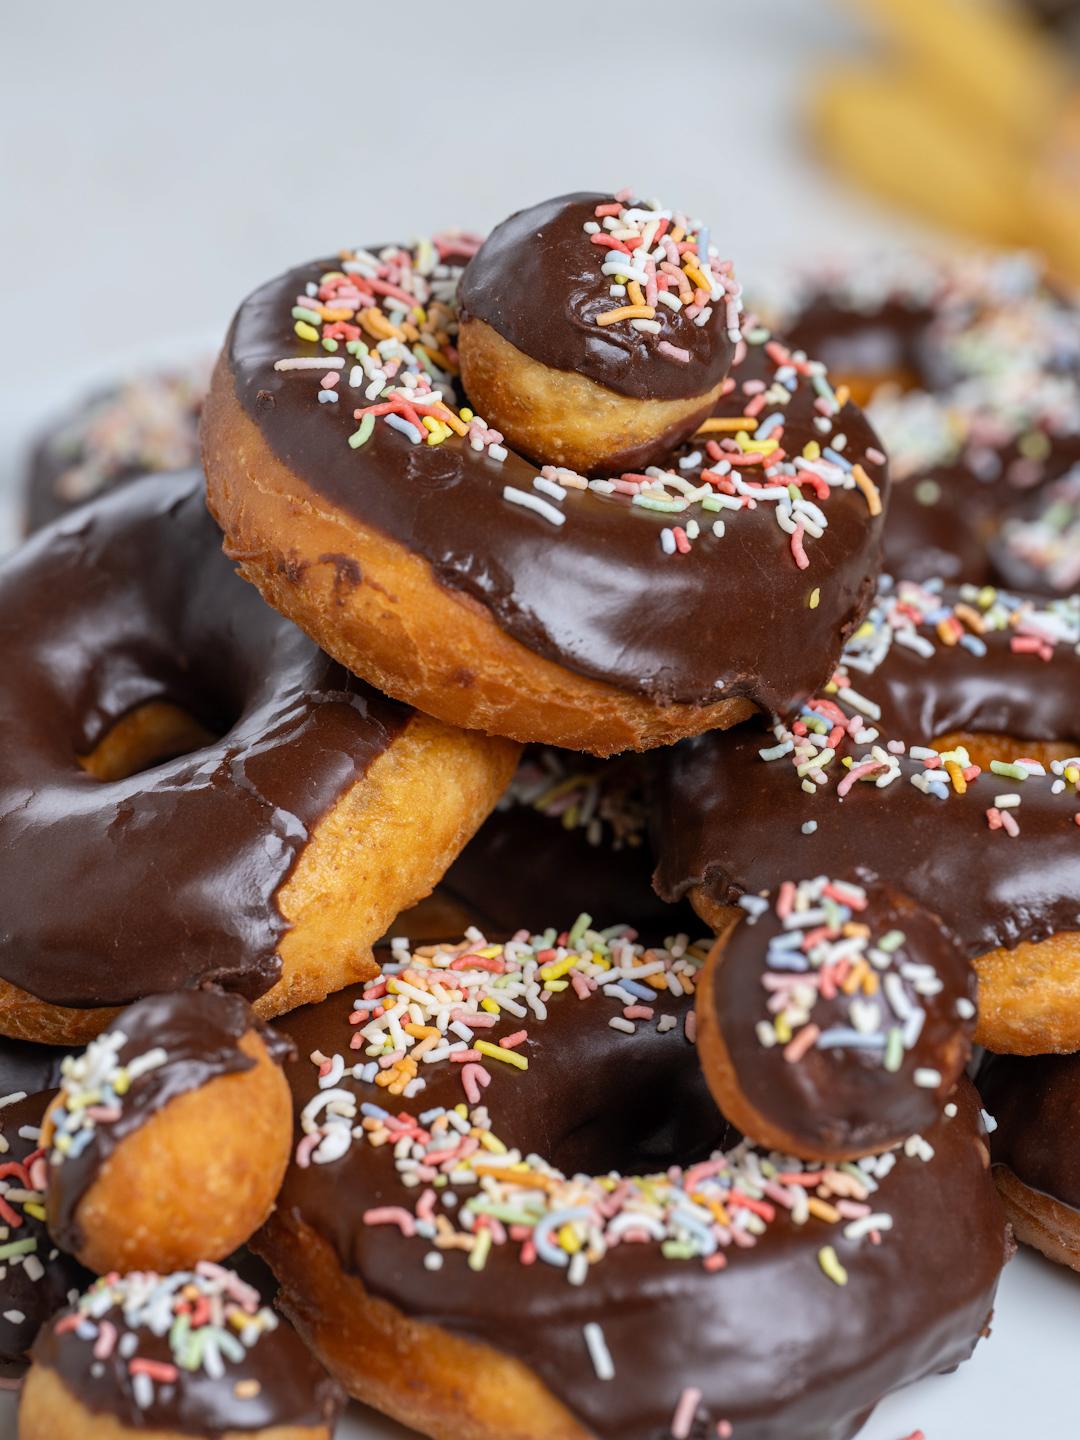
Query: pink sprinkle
624, 194
993, 817
724, 1430
673, 352
106, 1341
638, 1012
682, 544
611, 208
716, 1261
425, 1206
466, 1057
797, 548
797, 1048
158, 1370
330, 379
685, 1411
474, 1078
304, 1149
856, 773
391, 1215
510, 1041
1012, 829
474, 1022
1031, 645
581, 985
691, 1026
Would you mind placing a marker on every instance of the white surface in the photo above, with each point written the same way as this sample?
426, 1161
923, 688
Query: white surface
156, 164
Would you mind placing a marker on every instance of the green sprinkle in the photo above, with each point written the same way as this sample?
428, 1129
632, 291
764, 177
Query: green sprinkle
300, 313
363, 434
830, 1263
894, 1050
17, 1247
891, 941
581, 924
1014, 772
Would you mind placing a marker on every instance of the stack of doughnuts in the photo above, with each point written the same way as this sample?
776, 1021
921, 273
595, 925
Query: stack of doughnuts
305, 955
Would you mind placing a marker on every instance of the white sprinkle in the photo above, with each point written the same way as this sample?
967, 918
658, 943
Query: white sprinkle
1007, 802
599, 1353
333, 362
617, 1022
549, 487
666, 1023
14, 1317
433, 1260
951, 1110
809, 827
989, 1121
533, 502
667, 541
926, 1078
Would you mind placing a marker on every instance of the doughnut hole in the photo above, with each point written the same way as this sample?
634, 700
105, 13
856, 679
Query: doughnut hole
48, 1409
147, 736
192, 1183
557, 417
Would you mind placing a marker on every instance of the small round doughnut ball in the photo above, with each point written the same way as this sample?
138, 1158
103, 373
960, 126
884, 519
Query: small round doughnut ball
169, 1136
834, 1018
190, 1356
596, 331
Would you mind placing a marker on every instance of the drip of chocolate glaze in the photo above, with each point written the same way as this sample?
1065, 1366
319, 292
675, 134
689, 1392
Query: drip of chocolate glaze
595, 594
845, 1096
26, 1304
1036, 1103
537, 281
199, 1031
127, 601
733, 824
773, 1346
293, 1388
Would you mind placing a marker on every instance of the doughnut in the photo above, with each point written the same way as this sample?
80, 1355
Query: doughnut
600, 615
596, 331
936, 761
189, 789
1033, 1102
570, 832
916, 321
568, 1240
36, 1279
168, 1139
986, 482
190, 1356
834, 1019
141, 426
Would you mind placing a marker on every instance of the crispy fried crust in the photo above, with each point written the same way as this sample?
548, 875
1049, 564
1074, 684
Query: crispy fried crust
561, 418
49, 1411
1039, 1220
427, 1378
384, 846
389, 620
195, 1181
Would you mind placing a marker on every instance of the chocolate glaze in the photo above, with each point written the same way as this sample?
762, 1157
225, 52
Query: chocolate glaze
526, 866
200, 1031
732, 617
147, 425
731, 823
294, 1389
890, 340
774, 1347
113, 890
845, 1097
28, 1068
537, 281
1036, 1103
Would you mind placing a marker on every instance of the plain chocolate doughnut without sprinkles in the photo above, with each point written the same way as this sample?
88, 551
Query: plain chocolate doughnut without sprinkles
189, 789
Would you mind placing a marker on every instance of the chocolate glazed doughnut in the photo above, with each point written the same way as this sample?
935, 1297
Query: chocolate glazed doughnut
36, 1279
454, 574
936, 760
834, 1019
293, 823
1035, 1102
501, 1257
168, 1139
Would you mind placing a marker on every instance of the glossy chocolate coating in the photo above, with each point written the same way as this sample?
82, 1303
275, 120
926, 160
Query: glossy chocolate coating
775, 1348
888, 341
537, 281
145, 426
1036, 1102
844, 1097
732, 823
732, 617
114, 890
293, 1388
33, 1069
200, 1031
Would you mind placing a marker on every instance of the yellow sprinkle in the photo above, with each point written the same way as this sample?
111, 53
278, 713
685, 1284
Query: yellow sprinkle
815, 597
306, 331
830, 1263
868, 488
491, 1006
677, 233
246, 1389
33, 1208
569, 1239
634, 291
558, 968
480, 1250
499, 1052
843, 395
718, 424
811, 450
466, 414
1072, 774
853, 979
946, 634
556, 985
956, 775
697, 277
491, 1142
489, 952
825, 1212
626, 312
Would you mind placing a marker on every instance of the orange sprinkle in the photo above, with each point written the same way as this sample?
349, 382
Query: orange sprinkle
626, 312
868, 488
733, 425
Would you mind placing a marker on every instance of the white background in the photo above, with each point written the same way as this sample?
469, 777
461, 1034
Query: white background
157, 162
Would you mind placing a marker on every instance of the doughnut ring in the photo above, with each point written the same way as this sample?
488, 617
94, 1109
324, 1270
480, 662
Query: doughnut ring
965, 696
180, 761
486, 1241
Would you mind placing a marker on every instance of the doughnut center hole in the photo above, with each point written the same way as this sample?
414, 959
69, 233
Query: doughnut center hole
147, 736
983, 748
